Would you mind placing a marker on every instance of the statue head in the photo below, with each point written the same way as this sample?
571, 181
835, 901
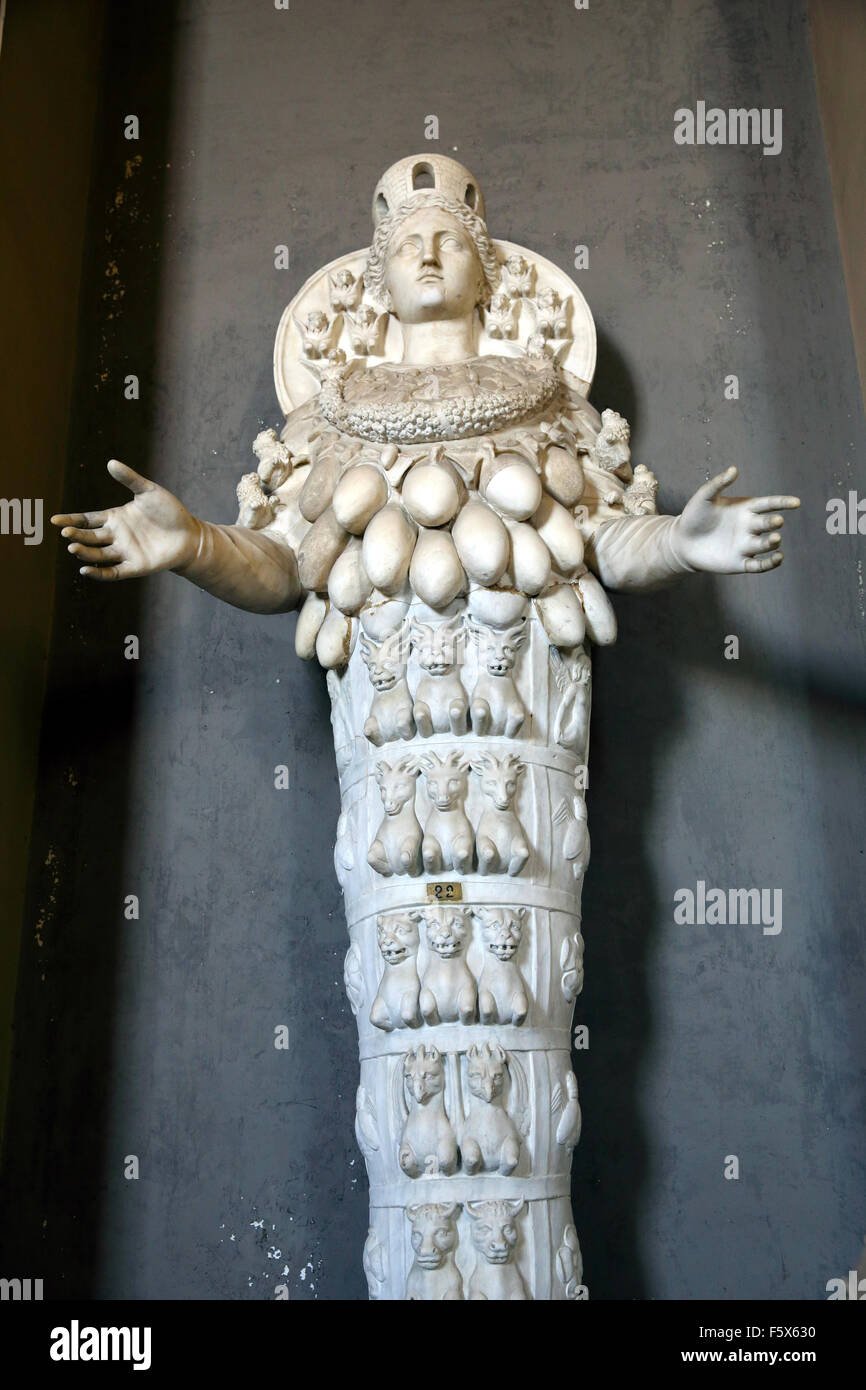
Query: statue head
431, 256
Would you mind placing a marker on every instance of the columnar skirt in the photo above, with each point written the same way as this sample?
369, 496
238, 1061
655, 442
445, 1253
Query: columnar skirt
461, 847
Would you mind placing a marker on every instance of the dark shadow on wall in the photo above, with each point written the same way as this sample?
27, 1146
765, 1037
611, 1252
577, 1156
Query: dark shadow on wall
637, 717
634, 721
638, 709
67, 987
827, 681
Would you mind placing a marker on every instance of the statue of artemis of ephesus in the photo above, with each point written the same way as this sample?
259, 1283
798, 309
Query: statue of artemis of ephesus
447, 510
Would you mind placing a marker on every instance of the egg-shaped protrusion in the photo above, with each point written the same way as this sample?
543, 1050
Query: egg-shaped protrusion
313, 612
561, 616
598, 610
335, 640
325, 540
387, 548
436, 574
319, 486
496, 607
358, 496
482, 543
382, 615
558, 530
563, 476
430, 494
530, 558
349, 584
510, 483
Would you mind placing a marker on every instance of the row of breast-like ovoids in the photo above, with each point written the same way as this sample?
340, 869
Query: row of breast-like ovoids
374, 527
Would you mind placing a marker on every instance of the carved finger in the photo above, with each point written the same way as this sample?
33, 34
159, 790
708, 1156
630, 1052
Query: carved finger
762, 523
763, 562
774, 504
128, 476
98, 555
758, 547
708, 492
121, 571
102, 536
79, 518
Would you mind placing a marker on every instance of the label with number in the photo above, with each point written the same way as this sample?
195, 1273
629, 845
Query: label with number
445, 892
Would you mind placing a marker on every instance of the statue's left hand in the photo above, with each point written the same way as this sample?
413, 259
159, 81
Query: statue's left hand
731, 535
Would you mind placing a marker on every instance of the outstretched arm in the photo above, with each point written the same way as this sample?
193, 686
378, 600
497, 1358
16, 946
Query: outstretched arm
155, 532
719, 535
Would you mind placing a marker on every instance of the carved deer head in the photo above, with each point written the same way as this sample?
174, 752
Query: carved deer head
499, 777
446, 778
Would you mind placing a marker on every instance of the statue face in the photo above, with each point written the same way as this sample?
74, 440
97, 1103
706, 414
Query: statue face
432, 270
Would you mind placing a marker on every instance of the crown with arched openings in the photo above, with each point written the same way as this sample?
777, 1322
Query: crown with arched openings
423, 173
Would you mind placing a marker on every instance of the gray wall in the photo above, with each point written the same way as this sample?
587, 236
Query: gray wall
837, 31
154, 1037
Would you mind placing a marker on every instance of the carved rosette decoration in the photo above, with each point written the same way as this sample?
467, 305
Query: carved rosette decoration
440, 515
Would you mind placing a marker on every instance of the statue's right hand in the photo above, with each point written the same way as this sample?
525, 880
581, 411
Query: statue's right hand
152, 532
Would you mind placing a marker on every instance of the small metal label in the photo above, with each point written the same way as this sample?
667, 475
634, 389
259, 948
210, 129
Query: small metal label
445, 892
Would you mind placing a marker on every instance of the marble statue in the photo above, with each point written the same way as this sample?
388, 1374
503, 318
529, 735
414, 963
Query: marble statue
449, 512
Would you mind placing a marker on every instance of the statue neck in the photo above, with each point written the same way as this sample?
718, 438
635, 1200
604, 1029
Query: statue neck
438, 341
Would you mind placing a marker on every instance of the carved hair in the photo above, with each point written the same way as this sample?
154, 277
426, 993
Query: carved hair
374, 273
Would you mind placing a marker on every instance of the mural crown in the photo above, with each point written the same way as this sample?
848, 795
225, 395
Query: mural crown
425, 173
